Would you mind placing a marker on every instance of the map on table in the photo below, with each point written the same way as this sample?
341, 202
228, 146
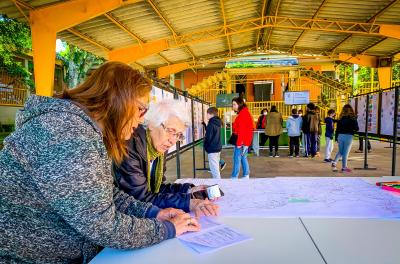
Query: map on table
303, 197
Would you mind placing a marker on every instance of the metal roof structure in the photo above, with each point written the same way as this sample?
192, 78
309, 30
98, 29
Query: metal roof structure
205, 31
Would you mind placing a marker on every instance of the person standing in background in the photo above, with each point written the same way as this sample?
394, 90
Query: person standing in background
212, 141
273, 130
293, 126
329, 134
310, 130
243, 130
347, 125
318, 113
261, 123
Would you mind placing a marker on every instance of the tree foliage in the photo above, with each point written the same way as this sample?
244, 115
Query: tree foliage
15, 39
77, 63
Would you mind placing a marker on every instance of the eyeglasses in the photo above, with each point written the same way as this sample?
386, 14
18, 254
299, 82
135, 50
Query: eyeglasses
143, 108
171, 132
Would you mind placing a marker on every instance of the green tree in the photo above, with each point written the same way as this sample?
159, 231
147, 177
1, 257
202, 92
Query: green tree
15, 39
77, 63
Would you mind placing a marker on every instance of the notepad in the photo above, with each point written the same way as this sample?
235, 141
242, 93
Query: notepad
213, 236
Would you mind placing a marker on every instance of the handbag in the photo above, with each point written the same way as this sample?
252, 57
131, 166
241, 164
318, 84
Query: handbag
233, 139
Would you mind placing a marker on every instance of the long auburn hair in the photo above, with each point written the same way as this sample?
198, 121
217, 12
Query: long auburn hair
240, 102
347, 111
109, 95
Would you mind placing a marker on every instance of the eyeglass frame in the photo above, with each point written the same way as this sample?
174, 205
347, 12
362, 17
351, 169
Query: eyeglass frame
143, 108
178, 136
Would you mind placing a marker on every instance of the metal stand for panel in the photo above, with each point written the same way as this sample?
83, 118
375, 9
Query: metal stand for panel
366, 167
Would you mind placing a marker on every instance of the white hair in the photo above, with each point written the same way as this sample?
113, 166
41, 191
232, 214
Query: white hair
161, 111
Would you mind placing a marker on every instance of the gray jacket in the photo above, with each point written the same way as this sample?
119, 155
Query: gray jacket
58, 203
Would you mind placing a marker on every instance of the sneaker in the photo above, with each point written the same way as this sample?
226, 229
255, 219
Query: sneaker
346, 170
327, 160
271, 155
334, 168
245, 177
222, 166
297, 156
290, 156
276, 155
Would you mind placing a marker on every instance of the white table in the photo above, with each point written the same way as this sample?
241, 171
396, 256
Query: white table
288, 240
274, 241
366, 241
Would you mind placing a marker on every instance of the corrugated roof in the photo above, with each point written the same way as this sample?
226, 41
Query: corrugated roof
151, 20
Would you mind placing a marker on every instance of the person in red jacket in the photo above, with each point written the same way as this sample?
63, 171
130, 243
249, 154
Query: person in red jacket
243, 128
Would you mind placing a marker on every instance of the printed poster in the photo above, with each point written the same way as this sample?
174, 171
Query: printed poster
387, 114
373, 114
361, 108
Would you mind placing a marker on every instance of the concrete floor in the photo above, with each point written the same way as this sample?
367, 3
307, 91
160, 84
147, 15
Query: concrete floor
263, 166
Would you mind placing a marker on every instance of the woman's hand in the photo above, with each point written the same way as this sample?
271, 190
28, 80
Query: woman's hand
184, 223
203, 207
198, 188
168, 213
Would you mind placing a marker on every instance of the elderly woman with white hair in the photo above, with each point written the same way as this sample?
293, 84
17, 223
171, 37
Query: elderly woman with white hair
142, 173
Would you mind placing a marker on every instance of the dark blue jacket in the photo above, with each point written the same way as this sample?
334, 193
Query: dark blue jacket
212, 141
330, 129
131, 176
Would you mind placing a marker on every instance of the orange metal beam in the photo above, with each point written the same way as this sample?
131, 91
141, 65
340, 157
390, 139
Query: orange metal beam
163, 18
224, 19
314, 16
68, 14
385, 77
165, 71
136, 52
262, 21
289, 23
371, 20
123, 27
46, 22
364, 60
267, 41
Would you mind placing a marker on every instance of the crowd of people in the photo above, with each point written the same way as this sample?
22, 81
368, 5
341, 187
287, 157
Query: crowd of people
302, 130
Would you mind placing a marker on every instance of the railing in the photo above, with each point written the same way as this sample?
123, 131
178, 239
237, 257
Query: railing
286, 110
13, 91
13, 96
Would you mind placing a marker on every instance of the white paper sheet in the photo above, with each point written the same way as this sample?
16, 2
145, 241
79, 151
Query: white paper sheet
213, 236
303, 197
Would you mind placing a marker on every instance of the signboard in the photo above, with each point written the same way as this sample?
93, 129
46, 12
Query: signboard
297, 98
225, 100
260, 61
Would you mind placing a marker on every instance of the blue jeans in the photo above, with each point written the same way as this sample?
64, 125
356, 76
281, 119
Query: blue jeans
240, 156
344, 142
310, 145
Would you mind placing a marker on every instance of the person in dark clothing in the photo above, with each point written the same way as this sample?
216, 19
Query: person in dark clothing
361, 139
310, 130
212, 141
347, 125
318, 113
329, 134
142, 173
261, 123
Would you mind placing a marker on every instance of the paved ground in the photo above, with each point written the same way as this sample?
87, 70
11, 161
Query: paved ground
263, 166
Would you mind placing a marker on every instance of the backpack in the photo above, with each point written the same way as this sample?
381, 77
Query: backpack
314, 123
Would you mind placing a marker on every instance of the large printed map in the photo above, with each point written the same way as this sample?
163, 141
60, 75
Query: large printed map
303, 197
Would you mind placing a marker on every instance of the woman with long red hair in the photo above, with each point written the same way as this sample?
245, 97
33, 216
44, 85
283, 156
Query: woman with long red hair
243, 128
59, 203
